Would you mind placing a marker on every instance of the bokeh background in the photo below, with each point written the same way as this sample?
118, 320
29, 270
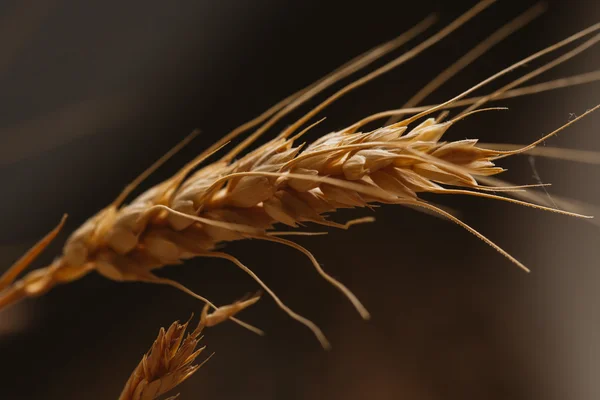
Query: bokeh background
94, 91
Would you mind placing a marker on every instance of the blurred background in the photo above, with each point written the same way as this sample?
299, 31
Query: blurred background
93, 92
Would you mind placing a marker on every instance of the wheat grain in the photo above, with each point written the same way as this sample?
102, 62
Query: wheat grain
282, 182
170, 360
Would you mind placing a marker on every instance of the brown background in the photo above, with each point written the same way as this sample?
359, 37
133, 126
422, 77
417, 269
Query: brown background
93, 92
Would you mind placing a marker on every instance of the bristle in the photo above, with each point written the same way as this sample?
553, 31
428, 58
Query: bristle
476, 52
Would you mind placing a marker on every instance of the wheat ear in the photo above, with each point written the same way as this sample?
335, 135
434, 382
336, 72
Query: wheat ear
283, 182
170, 360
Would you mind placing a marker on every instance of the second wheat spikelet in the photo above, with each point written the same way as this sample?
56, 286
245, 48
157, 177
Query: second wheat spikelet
170, 360
283, 182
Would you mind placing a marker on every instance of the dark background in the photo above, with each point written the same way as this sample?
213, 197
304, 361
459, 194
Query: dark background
93, 92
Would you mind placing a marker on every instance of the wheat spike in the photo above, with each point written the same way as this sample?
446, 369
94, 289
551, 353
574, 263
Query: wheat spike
274, 184
170, 360
283, 182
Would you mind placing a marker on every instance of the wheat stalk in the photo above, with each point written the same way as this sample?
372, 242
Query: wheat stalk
282, 182
170, 360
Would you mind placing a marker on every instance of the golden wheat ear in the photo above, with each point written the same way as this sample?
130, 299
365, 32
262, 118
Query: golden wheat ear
170, 360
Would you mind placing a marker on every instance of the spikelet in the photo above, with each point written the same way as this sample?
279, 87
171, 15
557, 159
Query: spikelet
170, 360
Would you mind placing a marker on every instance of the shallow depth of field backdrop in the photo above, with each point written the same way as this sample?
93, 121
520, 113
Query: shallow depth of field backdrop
94, 91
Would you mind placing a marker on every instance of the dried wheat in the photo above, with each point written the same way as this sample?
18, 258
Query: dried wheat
281, 182
170, 360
